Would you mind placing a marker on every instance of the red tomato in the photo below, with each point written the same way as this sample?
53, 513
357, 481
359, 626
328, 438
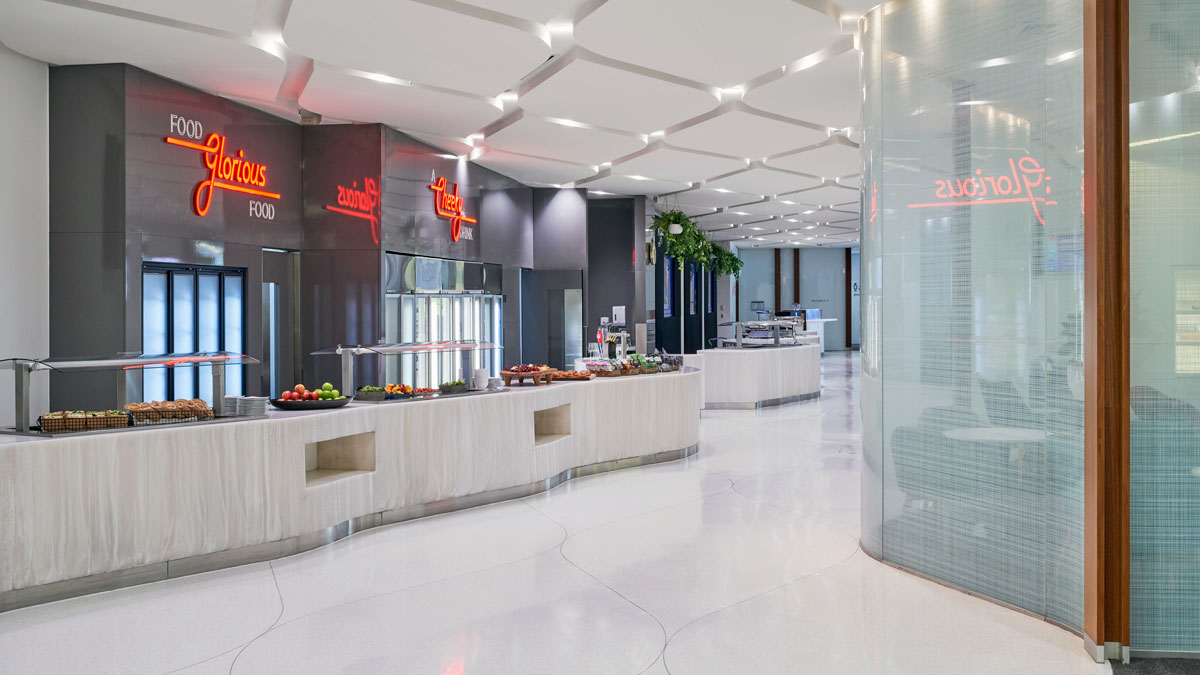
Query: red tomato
285, 396
300, 389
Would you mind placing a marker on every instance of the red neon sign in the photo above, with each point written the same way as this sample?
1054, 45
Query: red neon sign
222, 169
1027, 174
449, 205
363, 203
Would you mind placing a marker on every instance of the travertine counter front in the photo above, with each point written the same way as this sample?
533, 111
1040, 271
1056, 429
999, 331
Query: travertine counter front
90, 512
758, 377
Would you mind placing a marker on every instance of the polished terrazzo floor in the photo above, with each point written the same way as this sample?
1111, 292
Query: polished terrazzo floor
743, 559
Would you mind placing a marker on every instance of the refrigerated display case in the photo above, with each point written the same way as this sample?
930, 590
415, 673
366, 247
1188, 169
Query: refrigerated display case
436, 319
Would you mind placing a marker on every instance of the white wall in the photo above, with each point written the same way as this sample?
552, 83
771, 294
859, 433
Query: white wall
24, 223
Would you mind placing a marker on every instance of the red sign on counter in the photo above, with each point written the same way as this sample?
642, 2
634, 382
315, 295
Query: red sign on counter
450, 205
364, 203
224, 172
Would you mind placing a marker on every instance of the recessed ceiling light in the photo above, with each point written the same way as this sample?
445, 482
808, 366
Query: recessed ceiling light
756, 229
723, 190
599, 192
740, 213
975, 103
792, 220
810, 227
784, 201
638, 177
809, 212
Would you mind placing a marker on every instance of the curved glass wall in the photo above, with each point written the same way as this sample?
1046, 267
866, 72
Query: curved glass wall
972, 277
1164, 266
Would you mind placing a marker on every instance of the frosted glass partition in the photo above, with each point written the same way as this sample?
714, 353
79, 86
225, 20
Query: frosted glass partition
1164, 266
972, 293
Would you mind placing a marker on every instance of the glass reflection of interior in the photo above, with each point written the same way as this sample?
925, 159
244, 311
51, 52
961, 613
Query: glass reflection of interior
436, 317
972, 390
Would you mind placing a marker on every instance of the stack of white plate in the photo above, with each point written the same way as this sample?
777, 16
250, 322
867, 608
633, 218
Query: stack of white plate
252, 406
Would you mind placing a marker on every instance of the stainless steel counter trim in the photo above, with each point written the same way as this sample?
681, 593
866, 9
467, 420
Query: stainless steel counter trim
763, 404
274, 550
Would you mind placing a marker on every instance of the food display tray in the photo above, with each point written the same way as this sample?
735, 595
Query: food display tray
309, 405
538, 378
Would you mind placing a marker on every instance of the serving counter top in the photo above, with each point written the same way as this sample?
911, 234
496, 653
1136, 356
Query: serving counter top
85, 513
758, 377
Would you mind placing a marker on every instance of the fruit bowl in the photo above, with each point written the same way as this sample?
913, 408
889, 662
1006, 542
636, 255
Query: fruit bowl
319, 404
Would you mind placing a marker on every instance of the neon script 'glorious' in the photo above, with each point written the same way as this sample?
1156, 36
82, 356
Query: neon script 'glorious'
362, 203
221, 169
1021, 187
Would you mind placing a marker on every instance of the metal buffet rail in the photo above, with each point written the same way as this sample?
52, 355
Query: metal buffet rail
776, 333
348, 352
24, 368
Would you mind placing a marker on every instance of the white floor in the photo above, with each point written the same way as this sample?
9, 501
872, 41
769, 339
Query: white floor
742, 560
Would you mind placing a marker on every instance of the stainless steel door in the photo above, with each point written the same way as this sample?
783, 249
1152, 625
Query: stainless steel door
281, 327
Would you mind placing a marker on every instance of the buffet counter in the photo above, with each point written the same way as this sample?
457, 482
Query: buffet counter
92, 512
745, 379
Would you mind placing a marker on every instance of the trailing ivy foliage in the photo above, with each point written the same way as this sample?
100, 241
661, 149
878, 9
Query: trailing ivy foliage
691, 246
724, 262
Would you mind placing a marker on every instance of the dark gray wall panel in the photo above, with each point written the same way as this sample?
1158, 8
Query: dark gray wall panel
559, 229
87, 149
87, 301
610, 255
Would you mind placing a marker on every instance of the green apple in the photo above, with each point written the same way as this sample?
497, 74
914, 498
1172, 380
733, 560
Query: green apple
327, 387
335, 394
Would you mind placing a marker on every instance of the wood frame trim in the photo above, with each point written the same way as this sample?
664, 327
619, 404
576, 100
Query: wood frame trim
796, 276
777, 281
1106, 612
849, 298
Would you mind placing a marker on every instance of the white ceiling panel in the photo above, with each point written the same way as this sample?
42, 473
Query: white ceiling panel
743, 134
696, 200
533, 136
824, 196
716, 42
332, 92
827, 215
456, 146
69, 35
682, 165
235, 16
532, 169
733, 216
624, 185
775, 207
828, 161
414, 41
615, 98
827, 93
821, 230
539, 11
762, 180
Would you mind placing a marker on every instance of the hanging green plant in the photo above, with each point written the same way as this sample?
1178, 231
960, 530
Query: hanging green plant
686, 244
724, 262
